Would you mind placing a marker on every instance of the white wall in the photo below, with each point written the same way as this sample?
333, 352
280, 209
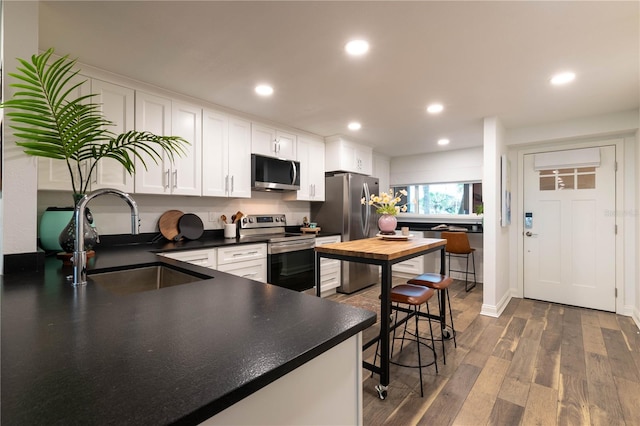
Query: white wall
112, 215
448, 166
381, 170
20, 40
496, 291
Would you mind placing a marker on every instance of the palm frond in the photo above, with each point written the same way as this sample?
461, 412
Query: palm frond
48, 123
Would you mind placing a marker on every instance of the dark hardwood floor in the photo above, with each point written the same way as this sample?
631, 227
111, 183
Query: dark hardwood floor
539, 363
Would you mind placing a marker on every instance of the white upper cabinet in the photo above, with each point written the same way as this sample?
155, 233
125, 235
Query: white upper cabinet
347, 156
163, 117
186, 171
311, 156
117, 103
272, 142
226, 156
153, 114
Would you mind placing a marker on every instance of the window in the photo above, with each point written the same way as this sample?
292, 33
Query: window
442, 198
563, 179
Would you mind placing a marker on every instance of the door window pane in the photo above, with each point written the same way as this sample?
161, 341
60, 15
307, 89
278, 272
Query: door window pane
564, 179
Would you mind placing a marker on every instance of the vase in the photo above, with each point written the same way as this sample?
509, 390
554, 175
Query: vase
387, 224
53, 221
67, 238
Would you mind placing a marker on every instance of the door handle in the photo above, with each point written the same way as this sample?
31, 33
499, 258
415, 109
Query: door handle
530, 234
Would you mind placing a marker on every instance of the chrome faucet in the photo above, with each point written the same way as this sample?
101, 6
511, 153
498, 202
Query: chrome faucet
79, 253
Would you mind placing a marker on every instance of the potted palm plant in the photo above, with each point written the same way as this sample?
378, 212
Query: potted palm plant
49, 122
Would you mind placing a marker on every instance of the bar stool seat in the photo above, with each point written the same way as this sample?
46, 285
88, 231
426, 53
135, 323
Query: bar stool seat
414, 296
458, 246
440, 283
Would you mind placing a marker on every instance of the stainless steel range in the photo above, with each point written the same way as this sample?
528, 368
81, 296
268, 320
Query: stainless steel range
290, 256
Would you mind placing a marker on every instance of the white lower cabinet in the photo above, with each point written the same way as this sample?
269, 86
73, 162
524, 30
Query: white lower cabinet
206, 258
244, 260
412, 267
330, 269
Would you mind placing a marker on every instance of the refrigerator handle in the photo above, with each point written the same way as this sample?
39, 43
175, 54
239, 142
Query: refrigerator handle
367, 215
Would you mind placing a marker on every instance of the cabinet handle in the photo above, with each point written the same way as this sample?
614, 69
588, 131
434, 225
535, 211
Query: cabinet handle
249, 275
231, 185
175, 179
166, 180
245, 254
226, 184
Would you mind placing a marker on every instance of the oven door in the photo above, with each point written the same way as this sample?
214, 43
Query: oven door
291, 264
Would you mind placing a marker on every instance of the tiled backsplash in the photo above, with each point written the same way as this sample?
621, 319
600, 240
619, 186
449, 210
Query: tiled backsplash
112, 215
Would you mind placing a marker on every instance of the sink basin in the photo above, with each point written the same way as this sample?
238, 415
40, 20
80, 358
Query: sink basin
145, 278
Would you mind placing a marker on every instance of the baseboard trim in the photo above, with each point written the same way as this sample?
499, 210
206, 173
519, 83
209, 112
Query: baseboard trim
636, 317
496, 310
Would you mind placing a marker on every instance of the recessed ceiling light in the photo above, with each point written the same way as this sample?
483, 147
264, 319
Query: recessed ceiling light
357, 47
443, 142
435, 108
354, 125
264, 90
562, 78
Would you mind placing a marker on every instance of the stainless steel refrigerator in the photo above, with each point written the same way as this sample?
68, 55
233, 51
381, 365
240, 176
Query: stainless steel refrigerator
342, 212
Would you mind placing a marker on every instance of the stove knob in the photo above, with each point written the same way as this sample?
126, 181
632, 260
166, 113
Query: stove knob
277, 219
250, 220
283, 219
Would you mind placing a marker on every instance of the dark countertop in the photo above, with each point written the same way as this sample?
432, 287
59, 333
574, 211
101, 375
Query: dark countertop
175, 355
428, 226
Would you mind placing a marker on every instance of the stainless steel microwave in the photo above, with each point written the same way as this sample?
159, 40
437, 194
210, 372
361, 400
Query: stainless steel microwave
268, 174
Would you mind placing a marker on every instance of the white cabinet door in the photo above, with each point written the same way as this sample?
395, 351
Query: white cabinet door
215, 159
246, 260
263, 140
186, 170
311, 156
226, 156
239, 153
153, 114
330, 269
272, 142
252, 270
117, 105
206, 257
286, 145
347, 156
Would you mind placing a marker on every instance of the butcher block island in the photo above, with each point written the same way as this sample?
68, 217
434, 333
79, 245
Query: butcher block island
384, 251
223, 349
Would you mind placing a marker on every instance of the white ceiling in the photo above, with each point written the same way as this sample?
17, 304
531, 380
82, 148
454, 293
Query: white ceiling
479, 59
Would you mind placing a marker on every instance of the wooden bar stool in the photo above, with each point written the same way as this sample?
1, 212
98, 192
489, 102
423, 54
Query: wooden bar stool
458, 246
440, 283
414, 296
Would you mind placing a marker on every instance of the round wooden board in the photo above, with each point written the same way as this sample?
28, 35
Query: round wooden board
168, 223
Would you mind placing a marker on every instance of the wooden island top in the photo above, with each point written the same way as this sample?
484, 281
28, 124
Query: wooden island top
380, 249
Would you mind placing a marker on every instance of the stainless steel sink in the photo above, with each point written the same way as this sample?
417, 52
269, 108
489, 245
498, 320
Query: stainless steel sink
128, 281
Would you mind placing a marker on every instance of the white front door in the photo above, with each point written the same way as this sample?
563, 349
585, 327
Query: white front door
569, 248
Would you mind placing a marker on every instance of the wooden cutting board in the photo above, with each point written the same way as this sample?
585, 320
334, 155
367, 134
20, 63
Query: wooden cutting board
168, 223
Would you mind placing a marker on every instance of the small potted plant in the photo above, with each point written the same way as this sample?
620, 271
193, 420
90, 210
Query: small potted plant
387, 205
49, 122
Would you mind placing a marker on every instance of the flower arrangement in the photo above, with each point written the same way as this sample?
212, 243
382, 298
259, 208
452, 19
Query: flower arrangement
387, 203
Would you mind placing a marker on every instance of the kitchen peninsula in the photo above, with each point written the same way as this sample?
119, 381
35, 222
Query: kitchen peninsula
178, 355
